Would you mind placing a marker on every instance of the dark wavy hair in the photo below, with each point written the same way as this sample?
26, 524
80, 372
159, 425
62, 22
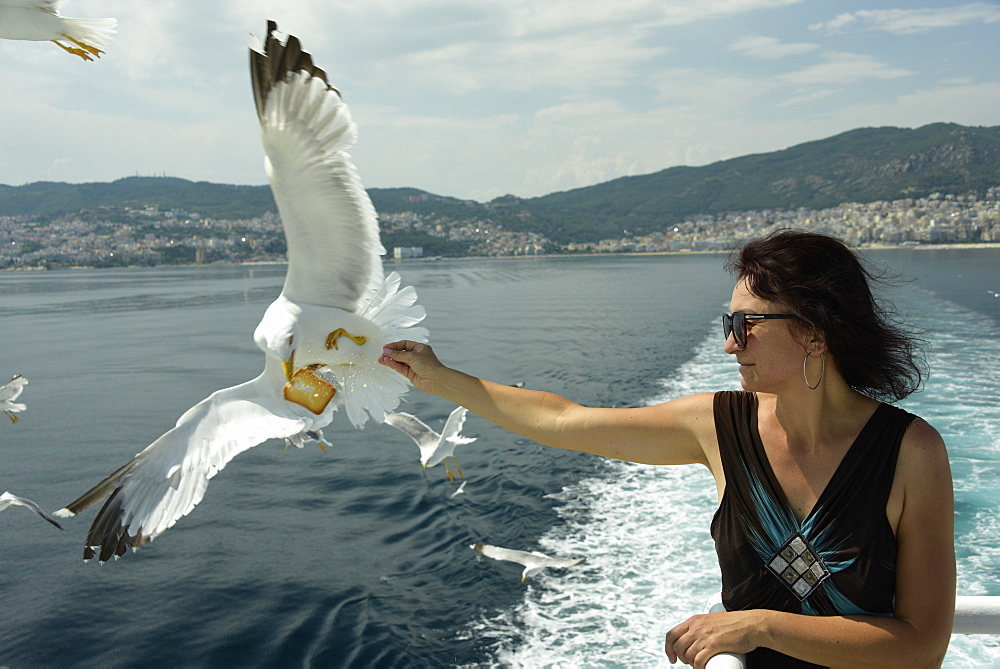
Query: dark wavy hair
818, 278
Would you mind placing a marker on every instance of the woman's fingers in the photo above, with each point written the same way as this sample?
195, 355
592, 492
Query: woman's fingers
403, 345
412, 359
671, 646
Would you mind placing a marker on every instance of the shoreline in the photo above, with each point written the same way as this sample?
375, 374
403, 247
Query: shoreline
962, 246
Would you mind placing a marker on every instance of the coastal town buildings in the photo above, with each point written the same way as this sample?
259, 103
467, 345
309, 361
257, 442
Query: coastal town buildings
149, 236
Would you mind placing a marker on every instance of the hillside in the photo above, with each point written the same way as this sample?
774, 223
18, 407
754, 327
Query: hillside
858, 166
862, 165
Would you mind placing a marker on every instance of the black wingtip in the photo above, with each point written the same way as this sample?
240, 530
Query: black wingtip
276, 62
108, 537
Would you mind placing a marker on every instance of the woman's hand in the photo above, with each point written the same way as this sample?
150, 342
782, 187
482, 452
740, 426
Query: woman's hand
700, 638
413, 360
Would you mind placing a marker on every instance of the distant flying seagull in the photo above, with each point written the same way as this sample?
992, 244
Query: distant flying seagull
8, 499
39, 20
9, 392
533, 562
434, 447
321, 338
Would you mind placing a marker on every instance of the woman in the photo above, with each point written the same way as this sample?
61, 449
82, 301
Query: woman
834, 530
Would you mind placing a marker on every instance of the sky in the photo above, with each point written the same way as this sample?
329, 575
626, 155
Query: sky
476, 99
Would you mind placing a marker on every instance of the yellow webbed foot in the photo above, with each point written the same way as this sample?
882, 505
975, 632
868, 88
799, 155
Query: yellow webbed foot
86, 47
76, 52
457, 468
13, 418
331, 339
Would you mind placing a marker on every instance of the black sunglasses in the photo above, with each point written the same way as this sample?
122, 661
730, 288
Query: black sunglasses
736, 324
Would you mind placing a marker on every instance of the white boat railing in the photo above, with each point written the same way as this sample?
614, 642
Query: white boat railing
976, 615
973, 615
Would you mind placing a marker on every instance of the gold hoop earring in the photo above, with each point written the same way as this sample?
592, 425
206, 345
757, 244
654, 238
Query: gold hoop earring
822, 371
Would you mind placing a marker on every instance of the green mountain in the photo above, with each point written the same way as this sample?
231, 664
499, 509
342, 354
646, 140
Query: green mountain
209, 199
862, 165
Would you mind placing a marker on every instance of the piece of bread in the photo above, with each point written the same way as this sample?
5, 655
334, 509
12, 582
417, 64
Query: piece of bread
307, 389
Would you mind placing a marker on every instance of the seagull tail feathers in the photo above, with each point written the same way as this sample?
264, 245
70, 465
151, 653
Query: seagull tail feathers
373, 390
395, 311
97, 33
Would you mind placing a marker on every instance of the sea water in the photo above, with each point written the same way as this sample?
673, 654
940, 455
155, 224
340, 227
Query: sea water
360, 557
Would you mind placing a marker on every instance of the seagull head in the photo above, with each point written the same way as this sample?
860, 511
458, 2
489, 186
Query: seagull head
276, 333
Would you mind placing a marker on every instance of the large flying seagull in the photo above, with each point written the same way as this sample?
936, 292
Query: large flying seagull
321, 337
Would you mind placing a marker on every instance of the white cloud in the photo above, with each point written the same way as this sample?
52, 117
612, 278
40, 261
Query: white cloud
566, 62
909, 21
808, 97
478, 99
843, 68
966, 104
708, 89
770, 48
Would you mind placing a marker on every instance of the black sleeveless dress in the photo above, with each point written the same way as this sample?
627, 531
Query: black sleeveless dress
840, 560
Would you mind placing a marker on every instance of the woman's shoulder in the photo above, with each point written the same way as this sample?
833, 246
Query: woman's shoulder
923, 459
922, 440
918, 435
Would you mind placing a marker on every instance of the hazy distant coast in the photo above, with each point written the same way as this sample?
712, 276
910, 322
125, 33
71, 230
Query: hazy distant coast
872, 187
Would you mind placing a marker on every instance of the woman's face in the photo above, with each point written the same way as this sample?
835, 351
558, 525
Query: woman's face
771, 362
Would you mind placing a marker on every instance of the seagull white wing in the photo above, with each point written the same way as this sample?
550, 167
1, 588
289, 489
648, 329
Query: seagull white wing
334, 251
50, 6
330, 223
8, 499
168, 479
559, 563
508, 554
453, 427
530, 559
427, 439
13, 388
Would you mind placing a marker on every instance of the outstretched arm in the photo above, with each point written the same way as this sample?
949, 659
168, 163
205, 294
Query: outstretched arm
670, 433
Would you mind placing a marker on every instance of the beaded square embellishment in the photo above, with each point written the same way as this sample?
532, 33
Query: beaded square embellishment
798, 567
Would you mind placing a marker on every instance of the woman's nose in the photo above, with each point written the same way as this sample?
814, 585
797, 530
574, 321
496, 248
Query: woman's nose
730, 346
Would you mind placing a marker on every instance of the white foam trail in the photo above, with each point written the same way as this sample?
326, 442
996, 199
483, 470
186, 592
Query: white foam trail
961, 400
651, 561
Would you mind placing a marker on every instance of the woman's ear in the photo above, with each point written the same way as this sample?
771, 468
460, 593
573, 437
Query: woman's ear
812, 339
817, 343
